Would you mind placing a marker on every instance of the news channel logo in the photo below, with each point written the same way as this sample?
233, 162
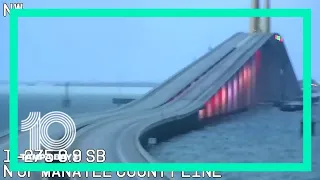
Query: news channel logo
38, 128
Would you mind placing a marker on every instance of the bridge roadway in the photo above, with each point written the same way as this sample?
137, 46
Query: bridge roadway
116, 130
169, 88
125, 148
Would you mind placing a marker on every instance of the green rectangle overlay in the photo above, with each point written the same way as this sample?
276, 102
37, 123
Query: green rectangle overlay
145, 13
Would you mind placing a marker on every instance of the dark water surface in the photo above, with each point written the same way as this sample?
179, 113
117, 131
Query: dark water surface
261, 135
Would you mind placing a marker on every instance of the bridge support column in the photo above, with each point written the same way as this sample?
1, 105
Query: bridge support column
313, 126
66, 101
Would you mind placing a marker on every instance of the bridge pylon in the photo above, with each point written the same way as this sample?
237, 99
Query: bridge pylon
255, 22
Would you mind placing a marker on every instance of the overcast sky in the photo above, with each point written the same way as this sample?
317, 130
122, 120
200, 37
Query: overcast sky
122, 49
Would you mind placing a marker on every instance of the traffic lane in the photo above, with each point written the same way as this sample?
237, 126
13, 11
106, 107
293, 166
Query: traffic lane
105, 136
99, 139
129, 152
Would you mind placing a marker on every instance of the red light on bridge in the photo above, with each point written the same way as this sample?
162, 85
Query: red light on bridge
249, 74
208, 109
253, 80
230, 93
235, 93
248, 83
218, 102
213, 104
245, 76
223, 99
240, 76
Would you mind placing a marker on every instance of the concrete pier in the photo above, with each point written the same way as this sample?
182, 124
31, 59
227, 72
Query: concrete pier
66, 102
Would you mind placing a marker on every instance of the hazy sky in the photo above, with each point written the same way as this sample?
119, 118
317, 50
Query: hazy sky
150, 49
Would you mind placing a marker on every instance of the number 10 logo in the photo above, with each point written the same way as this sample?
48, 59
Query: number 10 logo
38, 129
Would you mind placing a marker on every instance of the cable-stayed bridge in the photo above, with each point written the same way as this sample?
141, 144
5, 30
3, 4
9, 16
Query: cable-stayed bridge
243, 71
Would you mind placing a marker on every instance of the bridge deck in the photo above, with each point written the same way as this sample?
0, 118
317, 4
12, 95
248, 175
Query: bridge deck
125, 147
187, 91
